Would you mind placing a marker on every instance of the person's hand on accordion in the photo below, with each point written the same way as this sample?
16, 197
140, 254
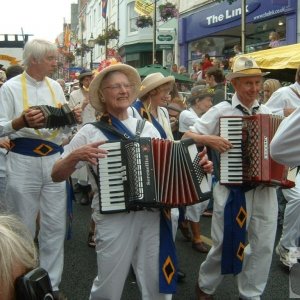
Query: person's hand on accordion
88, 153
206, 164
213, 141
33, 118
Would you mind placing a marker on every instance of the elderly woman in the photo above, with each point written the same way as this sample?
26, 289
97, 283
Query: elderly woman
122, 239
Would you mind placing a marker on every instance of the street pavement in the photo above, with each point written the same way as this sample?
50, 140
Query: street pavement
80, 267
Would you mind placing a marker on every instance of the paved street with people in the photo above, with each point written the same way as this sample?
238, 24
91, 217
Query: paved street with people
81, 268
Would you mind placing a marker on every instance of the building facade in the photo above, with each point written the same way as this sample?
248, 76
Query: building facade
214, 28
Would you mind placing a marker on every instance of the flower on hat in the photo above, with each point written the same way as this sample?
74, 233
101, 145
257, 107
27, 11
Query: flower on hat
107, 62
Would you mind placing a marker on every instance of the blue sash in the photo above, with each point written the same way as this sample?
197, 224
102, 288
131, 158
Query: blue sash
168, 264
70, 199
34, 147
121, 127
234, 241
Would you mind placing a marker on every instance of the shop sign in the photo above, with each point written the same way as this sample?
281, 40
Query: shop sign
165, 36
229, 15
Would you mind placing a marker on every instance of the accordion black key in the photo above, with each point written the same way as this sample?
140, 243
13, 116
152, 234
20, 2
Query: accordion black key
151, 173
57, 117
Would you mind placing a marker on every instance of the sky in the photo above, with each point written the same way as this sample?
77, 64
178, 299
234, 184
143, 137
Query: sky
44, 19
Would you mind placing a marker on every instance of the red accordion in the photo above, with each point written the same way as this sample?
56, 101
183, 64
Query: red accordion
249, 162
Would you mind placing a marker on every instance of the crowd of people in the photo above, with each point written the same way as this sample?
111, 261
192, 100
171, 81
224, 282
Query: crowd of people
116, 104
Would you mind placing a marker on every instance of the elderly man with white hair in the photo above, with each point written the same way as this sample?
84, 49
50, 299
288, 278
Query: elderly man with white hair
238, 211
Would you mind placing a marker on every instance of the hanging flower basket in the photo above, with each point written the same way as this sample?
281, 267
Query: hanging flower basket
109, 34
81, 50
144, 21
168, 11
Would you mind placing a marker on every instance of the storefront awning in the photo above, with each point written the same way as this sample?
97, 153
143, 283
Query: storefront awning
280, 58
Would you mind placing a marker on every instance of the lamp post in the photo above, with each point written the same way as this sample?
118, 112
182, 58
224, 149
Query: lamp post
91, 44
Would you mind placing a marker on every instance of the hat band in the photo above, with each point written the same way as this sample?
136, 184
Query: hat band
249, 71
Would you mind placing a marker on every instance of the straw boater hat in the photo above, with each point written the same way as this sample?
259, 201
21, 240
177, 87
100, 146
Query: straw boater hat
94, 89
245, 67
153, 81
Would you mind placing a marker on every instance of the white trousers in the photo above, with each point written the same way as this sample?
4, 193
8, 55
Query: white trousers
193, 212
30, 190
291, 222
262, 211
122, 240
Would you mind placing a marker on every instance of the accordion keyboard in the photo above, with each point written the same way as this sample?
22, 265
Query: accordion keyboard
113, 175
231, 162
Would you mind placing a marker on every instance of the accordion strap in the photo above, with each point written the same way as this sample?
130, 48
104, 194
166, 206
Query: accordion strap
103, 126
295, 91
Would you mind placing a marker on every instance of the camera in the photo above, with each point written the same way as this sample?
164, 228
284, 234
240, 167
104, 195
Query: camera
34, 285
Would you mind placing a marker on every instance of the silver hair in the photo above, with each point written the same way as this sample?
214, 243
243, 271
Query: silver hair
37, 49
17, 249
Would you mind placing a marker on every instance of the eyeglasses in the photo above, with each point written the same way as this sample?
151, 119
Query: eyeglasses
118, 87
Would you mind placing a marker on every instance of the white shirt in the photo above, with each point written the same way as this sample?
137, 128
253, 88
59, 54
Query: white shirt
209, 123
88, 113
186, 119
284, 97
11, 106
284, 146
89, 134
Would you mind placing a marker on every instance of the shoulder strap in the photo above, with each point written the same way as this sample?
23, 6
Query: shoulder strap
103, 126
139, 127
295, 91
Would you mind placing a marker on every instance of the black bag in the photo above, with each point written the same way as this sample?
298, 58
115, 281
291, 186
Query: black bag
34, 285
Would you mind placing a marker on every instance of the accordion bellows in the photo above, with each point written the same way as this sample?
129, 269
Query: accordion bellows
57, 117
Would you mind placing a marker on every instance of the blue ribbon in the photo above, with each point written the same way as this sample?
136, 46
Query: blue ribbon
167, 255
70, 199
234, 240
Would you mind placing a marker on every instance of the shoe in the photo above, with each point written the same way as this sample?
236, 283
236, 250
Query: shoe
200, 295
77, 188
91, 240
207, 213
200, 247
180, 275
58, 295
288, 257
185, 232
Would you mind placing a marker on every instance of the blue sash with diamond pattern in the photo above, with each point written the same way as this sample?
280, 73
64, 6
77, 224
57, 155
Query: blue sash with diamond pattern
234, 238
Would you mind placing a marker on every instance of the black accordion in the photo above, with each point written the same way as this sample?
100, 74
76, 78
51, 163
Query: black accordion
57, 117
150, 173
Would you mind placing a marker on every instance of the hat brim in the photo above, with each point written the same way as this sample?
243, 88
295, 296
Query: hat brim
81, 76
145, 89
233, 75
130, 72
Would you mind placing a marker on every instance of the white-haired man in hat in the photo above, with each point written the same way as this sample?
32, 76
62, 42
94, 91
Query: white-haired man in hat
238, 211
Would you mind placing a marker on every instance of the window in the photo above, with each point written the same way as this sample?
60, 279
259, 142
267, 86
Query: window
132, 18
